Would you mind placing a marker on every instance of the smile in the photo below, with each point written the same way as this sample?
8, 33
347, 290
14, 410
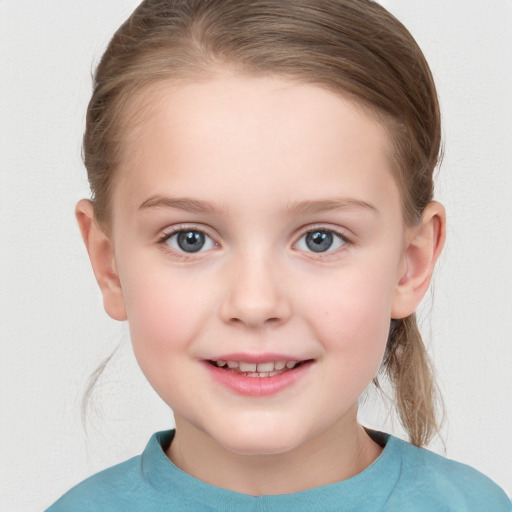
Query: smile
268, 369
258, 378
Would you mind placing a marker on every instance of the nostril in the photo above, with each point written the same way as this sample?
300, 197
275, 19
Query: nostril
254, 301
251, 320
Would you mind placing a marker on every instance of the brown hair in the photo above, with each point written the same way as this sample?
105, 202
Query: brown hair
353, 47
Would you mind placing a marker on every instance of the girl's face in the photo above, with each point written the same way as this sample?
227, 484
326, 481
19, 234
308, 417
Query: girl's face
256, 226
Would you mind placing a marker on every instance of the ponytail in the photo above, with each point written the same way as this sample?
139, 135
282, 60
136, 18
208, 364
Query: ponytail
408, 367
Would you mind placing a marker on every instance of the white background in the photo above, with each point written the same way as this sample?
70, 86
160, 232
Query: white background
53, 331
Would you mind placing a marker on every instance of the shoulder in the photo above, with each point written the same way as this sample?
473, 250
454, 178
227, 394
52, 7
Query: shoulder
128, 487
434, 479
108, 490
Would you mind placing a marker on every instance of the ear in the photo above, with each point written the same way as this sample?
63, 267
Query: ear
101, 254
424, 245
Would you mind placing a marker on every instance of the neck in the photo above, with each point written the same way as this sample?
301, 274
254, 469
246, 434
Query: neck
332, 456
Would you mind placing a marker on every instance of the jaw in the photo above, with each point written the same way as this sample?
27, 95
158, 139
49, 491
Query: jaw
252, 465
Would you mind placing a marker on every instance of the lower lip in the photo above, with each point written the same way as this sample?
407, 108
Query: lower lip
257, 386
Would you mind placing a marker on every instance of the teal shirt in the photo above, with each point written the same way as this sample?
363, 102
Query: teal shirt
404, 478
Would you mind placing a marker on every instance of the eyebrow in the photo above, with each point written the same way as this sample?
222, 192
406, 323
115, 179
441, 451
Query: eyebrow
325, 205
180, 203
302, 207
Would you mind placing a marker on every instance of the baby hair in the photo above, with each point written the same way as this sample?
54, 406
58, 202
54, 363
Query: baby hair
354, 48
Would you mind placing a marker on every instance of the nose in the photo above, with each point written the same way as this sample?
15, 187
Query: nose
256, 295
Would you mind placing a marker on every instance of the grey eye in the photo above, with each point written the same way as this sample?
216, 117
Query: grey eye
190, 241
320, 240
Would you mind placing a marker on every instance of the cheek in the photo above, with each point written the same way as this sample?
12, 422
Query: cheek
356, 336
351, 314
164, 313
164, 319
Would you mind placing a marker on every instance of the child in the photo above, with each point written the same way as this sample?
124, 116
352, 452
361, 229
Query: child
262, 216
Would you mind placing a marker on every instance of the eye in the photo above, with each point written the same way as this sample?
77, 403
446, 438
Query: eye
189, 241
320, 240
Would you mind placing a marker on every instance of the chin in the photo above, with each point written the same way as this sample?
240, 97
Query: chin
259, 440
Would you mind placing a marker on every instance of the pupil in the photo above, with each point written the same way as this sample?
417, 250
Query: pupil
191, 241
319, 241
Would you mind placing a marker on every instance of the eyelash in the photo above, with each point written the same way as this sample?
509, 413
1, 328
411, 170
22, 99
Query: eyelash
168, 234
341, 235
164, 238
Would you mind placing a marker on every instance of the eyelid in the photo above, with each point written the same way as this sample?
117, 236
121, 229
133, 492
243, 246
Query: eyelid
185, 226
166, 233
342, 233
170, 231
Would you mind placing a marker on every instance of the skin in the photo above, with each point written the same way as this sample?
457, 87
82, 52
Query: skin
256, 164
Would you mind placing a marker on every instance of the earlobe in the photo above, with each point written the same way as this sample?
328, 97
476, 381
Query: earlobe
101, 254
425, 243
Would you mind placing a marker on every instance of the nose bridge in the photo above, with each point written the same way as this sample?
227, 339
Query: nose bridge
256, 294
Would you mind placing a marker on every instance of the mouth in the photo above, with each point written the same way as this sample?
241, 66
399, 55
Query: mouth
266, 369
258, 376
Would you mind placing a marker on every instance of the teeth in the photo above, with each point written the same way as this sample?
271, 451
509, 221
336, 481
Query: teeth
263, 374
267, 369
247, 367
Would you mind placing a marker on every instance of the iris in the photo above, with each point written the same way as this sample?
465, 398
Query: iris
319, 241
190, 241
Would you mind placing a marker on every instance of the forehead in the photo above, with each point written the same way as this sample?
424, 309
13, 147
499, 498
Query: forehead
238, 130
